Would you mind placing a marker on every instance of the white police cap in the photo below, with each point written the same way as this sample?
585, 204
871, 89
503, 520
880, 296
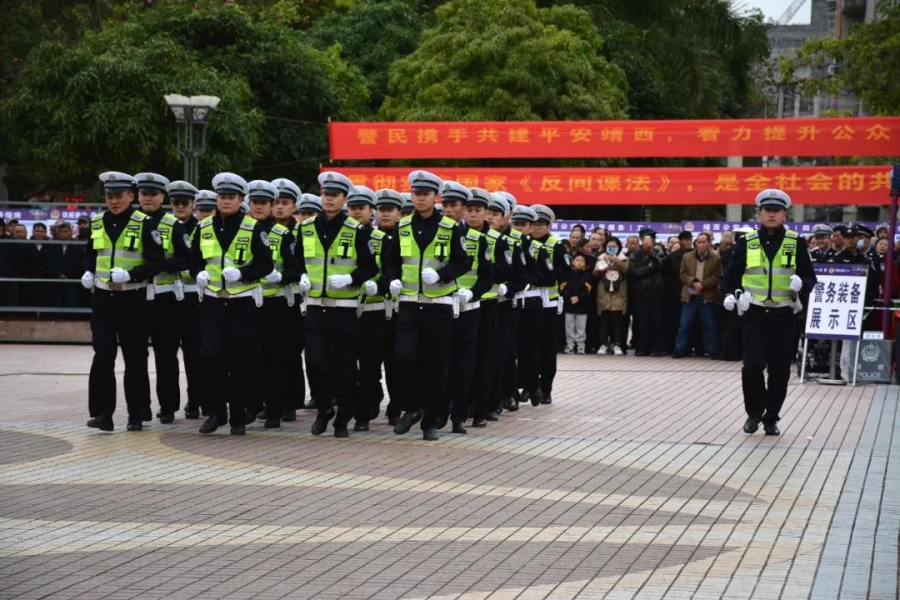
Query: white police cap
335, 182
510, 199
407, 200
389, 198
500, 204
205, 199
543, 213
261, 189
480, 196
309, 203
822, 229
524, 213
115, 181
774, 198
151, 181
361, 195
183, 189
287, 188
453, 190
425, 180
229, 183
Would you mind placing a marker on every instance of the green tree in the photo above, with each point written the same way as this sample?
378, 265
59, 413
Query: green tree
506, 60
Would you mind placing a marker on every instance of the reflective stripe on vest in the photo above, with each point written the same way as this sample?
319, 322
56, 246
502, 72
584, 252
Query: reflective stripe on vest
375, 244
339, 260
276, 237
770, 280
166, 227
491, 238
552, 290
238, 254
468, 279
126, 253
435, 256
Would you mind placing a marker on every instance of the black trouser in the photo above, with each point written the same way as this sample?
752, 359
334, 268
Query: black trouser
648, 321
422, 346
612, 328
118, 319
295, 386
273, 316
187, 315
506, 381
548, 345
463, 354
767, 347
331, 338
370, 349
164, 336
392, 373
487, 361
229, 338
732, 338
529, 331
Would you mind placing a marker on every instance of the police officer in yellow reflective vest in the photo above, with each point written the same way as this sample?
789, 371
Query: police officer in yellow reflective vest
430, 254
473, 285
229, 257
123, 253
555, 272
770, 270
309, 206
372, 322
187, 316
273, 315
295, 385
335, 260
164, 293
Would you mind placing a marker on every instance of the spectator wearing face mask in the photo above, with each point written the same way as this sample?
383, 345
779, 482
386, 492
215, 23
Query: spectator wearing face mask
612, 298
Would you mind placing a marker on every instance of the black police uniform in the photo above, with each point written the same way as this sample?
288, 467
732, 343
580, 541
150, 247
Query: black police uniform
295, 386
118, 318
187, 320
505, 384
768, 332
555, 272
531, 326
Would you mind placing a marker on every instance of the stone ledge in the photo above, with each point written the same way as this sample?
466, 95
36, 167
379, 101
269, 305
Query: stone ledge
53, 332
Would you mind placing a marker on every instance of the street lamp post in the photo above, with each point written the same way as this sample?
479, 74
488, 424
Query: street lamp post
192, 116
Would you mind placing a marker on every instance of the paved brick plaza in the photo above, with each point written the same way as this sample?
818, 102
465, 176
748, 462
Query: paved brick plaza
636, 482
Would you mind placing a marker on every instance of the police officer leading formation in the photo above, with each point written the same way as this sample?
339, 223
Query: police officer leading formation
459, 308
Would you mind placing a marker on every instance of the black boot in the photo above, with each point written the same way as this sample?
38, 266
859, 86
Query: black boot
290, 414
101, 422
211, 424
406, 421
321, 423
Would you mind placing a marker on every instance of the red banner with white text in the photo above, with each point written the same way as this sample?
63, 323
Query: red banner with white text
846, 136
678, 186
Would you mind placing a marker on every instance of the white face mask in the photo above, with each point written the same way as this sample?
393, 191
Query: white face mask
860, 244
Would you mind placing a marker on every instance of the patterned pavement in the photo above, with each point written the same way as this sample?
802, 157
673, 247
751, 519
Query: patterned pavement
636, 483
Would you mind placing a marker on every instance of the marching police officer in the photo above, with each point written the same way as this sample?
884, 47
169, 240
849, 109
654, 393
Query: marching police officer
407, 209
123, 253
308, 207
334, 256
387, 205
771, 266
430, 254
164, 293
472, 284
277, 295
229, 257
204, 204
187, 315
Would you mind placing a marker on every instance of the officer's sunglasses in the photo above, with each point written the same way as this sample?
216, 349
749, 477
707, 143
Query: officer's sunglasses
181, 202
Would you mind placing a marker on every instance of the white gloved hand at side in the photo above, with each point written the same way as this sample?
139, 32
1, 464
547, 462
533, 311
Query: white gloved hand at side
120, 275
339, 281
231, 274
87, 280
430, 276
273, 277
796, 283
203, 279
396, 287
370, 288
729, 302
501, 289
465, 296
305, 284
743, 303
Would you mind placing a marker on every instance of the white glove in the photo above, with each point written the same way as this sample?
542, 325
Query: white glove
203, 279
370, 288
465, 296
430, 276
273, 277
87, 280
120, 275
729, 302
396, 287
501, 289
340, 281
743, 303
230, 274
305, 284
796, 283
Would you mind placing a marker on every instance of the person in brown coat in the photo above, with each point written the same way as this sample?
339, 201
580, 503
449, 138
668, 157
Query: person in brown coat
612, 297
701, 270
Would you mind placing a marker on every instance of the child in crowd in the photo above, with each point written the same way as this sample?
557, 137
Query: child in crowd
612, 298
576, 294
